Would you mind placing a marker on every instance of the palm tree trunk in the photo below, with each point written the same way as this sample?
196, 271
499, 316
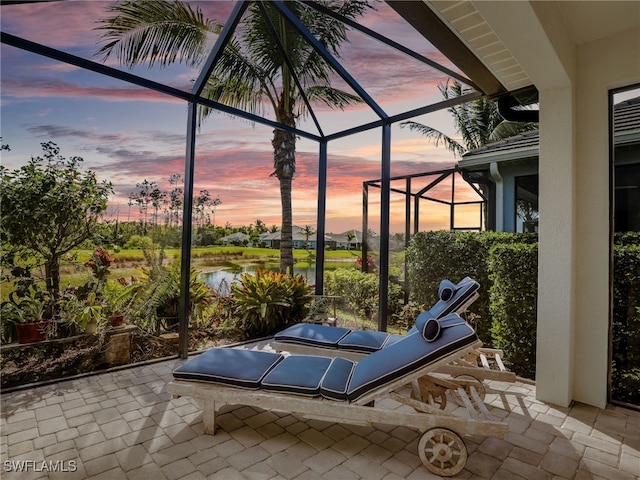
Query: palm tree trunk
284, 160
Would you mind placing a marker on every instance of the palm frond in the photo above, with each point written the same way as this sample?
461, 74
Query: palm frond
155, 32
437, 137
331, 97
508, 129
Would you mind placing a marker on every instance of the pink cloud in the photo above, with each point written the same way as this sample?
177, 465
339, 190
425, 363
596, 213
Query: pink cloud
51, 87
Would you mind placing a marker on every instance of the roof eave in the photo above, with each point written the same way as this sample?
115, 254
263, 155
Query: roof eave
500, 156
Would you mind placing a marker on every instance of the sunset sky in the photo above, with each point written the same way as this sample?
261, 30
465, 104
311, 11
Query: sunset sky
127, 134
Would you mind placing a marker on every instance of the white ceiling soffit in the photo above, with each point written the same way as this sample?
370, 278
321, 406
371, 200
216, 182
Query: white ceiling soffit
581, 21
469, 25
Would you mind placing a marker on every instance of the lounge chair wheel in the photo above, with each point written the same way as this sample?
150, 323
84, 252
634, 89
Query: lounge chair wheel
468, 382
443, 452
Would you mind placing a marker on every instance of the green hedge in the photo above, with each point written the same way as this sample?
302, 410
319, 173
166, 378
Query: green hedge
625, 368
434, 256
505, 265
513, 272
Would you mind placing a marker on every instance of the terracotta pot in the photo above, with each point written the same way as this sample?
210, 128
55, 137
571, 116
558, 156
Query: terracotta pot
32, 332
116, 319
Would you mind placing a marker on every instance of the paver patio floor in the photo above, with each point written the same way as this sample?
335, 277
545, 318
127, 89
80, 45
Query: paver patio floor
123, 424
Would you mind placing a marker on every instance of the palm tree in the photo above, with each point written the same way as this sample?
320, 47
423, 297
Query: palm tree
350, 236
479, 123
251, 72
307, 231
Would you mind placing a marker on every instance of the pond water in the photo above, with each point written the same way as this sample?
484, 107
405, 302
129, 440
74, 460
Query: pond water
221, 280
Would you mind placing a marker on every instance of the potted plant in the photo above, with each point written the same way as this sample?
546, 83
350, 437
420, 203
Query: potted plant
116, 319
28, 313
91, 318
319, 310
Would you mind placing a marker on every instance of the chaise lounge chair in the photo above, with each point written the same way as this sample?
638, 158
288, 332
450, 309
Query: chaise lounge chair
341, 390
453, 298
315, 339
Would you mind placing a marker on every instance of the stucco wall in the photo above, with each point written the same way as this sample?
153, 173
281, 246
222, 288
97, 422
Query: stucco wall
602, 65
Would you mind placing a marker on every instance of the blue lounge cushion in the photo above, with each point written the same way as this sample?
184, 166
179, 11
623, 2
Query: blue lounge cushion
406, 356
465, 289
363, 340
393, 339
335, 381
313, 334
299, 374
446, 290
241, 368
432, 328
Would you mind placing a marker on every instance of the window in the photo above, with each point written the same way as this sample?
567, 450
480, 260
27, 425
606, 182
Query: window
527, 203
627, 197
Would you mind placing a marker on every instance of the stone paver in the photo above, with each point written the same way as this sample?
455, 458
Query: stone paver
124, 425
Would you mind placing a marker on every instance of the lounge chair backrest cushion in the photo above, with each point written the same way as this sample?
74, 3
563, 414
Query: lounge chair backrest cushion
405, 357
446, 290
431, 328
232, 366
464, 290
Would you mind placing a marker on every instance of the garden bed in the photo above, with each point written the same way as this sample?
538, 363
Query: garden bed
22, 365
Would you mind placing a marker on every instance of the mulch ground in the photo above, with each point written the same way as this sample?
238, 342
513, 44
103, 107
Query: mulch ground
51, 360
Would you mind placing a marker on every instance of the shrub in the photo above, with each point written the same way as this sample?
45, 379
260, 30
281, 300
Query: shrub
269, 301
359, 293
152, 301
513, 271
137, 241
625, 368
438, 255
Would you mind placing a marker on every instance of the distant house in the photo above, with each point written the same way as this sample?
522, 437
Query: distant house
343, 243
237, 238
507, 172
300, 240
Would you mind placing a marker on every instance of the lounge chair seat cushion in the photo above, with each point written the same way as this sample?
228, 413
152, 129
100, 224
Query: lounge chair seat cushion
335, 381
313, 334
413, 352
299, 374
363, 340
241, 368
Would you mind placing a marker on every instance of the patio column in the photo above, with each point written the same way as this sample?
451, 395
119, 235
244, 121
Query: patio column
556, 266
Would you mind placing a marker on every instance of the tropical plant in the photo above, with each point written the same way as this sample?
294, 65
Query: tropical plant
152, 301
252, 70
319, 307
49, 207
478, 121
268, 301
29, 307
23, 306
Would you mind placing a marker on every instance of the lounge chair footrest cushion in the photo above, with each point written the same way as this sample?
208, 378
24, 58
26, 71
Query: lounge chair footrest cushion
299, 374
237, 367
313, 334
